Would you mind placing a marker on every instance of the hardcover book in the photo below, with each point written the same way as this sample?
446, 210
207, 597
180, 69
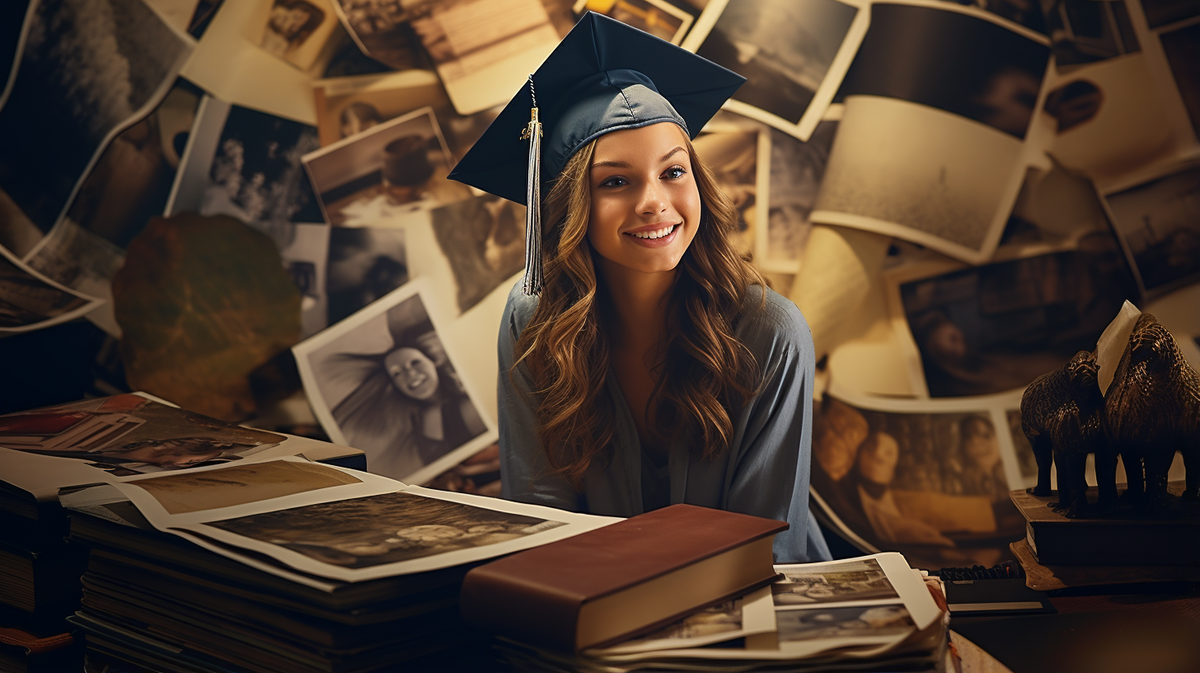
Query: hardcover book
622, 579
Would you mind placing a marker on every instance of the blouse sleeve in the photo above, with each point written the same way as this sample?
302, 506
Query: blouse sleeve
771, 476
525, 475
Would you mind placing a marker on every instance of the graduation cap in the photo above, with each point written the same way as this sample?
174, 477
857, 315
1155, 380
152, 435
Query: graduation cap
604, 76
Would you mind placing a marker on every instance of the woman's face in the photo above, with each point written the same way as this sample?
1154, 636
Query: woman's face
645, 203
412, 373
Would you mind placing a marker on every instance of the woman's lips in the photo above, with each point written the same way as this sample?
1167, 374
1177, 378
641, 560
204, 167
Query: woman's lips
656, 237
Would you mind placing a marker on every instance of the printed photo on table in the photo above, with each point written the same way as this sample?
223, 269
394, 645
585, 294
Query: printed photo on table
382, 381
851, 581
129, 434
850, 622
929, 479
382, 529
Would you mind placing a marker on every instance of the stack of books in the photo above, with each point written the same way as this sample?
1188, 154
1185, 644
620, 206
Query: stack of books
692, 588
287, 565
46, 449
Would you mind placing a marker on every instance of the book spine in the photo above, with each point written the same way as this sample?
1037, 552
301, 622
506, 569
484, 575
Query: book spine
519, 610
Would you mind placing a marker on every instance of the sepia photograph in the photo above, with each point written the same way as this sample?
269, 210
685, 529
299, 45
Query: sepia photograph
992, 328
76, 78
928, 479
1088, 31
402, 163
483, 50
246, 164
855, 580
234, 485
657, 17
734, 156
298, 30
484, 240
82, 261
381, 31
132, 179
1182, 48
29, 300
797, 168
850, 622
382, 381
792, 52
129, 434
383, 529
363, 265
977, 68
1159, 225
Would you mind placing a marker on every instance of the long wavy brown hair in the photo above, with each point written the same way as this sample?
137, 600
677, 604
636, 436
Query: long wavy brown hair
708, 374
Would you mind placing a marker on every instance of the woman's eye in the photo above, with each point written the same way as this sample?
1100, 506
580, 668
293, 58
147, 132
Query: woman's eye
615, 181
674, 173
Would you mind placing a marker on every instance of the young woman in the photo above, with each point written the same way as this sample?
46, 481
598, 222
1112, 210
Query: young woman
655, 367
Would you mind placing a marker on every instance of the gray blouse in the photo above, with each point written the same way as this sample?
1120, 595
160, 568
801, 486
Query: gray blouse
766, 474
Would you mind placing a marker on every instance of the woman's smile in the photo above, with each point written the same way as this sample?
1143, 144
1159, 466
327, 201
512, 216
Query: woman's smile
654, 236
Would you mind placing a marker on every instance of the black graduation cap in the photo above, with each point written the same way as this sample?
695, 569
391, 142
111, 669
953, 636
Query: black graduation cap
604, 76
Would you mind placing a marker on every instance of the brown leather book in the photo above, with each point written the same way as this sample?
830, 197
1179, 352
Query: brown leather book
626, 578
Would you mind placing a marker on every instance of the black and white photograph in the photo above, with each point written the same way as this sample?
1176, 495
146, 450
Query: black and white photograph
306, 261
88, 68
129, 434
738, 618
382, 381
380, 30
792, 52
484, 240
383, 529
246, 164
657, 17
880, 621
297, 30
29, 300
132, 179
1182, 49
855, 580
399, 165
1088, 31
350, 105
993, 328
364, 264
735, 157
927, 479
1159, 224
797, 168
483, 49
976, 68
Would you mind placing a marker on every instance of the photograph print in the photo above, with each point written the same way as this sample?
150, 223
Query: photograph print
857, 580
364, 264
657, 17
1159, 224
927, 479
792, 52
797, 168
383, 529
484, 240
30, 300
393, 167
879, 621
297, 30
381, 381
87, 69
129, 434
993, 328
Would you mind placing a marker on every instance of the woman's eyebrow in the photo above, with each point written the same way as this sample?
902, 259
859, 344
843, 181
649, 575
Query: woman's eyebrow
622, 164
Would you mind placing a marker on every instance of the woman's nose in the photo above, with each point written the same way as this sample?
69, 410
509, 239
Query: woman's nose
653, 199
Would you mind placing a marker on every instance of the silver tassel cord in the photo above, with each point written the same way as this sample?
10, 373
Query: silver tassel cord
532, 283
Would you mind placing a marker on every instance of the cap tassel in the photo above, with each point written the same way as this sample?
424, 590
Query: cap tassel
532, 283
